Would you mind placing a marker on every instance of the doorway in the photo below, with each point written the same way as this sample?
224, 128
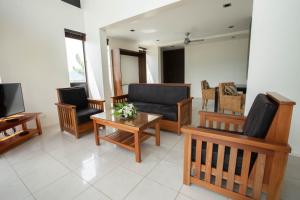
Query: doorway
173, 66
128, 67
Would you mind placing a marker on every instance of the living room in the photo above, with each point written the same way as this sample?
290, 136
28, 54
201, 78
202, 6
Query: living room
168, 165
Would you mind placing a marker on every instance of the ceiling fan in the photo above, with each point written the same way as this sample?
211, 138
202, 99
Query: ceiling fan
187, 39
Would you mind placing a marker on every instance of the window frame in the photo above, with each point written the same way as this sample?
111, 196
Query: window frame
82, 37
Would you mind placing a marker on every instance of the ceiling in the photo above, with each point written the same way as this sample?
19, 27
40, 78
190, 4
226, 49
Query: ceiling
202, 18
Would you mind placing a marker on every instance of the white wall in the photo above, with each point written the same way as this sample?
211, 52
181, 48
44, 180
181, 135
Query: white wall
100, 13
152, 56
116, 43
216, 61
32, 50
153, 64
274, 55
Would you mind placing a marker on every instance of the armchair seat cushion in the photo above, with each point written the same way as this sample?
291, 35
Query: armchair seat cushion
83, 115
168, 112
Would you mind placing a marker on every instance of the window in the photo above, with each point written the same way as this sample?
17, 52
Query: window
76, 58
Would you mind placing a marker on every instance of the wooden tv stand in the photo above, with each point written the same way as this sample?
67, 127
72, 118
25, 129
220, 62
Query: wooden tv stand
17, 138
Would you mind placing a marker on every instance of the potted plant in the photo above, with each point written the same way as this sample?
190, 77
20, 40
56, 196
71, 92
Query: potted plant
125, 110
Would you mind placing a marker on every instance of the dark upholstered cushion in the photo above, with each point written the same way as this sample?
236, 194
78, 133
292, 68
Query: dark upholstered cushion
75, 96
260, 117
83, 115
157, 94
168, 112
239, 159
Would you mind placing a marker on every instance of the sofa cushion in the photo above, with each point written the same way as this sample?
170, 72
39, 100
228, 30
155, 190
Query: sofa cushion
75, 96
260, 117
168, 112
239, 159
83, 115
157, 94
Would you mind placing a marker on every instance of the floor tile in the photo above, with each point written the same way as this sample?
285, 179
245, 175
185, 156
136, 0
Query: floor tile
91, 194
13, 189
167, 174
35, 163
95, 168
142, 168
149, 190
118, 183
182, 197
291, 189
175, 156
66, 188
195, 192
44, 175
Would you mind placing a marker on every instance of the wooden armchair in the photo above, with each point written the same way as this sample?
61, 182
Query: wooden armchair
74, 110
234, 103
207, 93
239, 157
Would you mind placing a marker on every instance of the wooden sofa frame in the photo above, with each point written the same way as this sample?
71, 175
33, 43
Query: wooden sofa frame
68, 118
272, 154
184, 112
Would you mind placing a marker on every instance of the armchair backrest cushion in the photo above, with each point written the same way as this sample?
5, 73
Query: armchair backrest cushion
74, 95
260, 116
158, 93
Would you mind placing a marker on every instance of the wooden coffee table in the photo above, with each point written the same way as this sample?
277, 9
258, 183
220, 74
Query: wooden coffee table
130, 133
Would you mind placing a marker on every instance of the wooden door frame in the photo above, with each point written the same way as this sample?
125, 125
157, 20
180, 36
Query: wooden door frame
116, 67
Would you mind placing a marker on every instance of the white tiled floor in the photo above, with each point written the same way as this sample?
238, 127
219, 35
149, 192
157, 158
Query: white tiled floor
58, 166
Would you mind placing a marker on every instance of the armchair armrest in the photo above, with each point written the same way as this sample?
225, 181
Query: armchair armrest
238, 141
207, 119
67, 116
185, 111
65, 106
119, 99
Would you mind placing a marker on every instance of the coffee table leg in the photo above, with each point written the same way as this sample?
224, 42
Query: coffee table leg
96, 132
137, 146
157, 134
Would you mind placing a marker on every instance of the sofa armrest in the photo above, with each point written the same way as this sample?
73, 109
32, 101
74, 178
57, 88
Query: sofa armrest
119, 99
185, 111
98, 104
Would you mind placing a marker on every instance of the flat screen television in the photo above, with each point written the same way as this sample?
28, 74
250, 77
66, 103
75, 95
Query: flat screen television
11, 99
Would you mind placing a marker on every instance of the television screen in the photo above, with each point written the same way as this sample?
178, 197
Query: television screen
11, 99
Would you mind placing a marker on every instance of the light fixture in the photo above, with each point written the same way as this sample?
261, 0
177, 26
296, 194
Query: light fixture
157, 40
231, 26
132, 30
226, 5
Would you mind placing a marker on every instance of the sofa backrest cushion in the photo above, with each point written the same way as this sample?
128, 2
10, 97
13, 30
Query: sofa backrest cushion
75, 96
260, 116
157, 93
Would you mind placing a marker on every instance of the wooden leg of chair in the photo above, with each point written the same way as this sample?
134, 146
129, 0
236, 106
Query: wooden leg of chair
276, 176
187, 159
